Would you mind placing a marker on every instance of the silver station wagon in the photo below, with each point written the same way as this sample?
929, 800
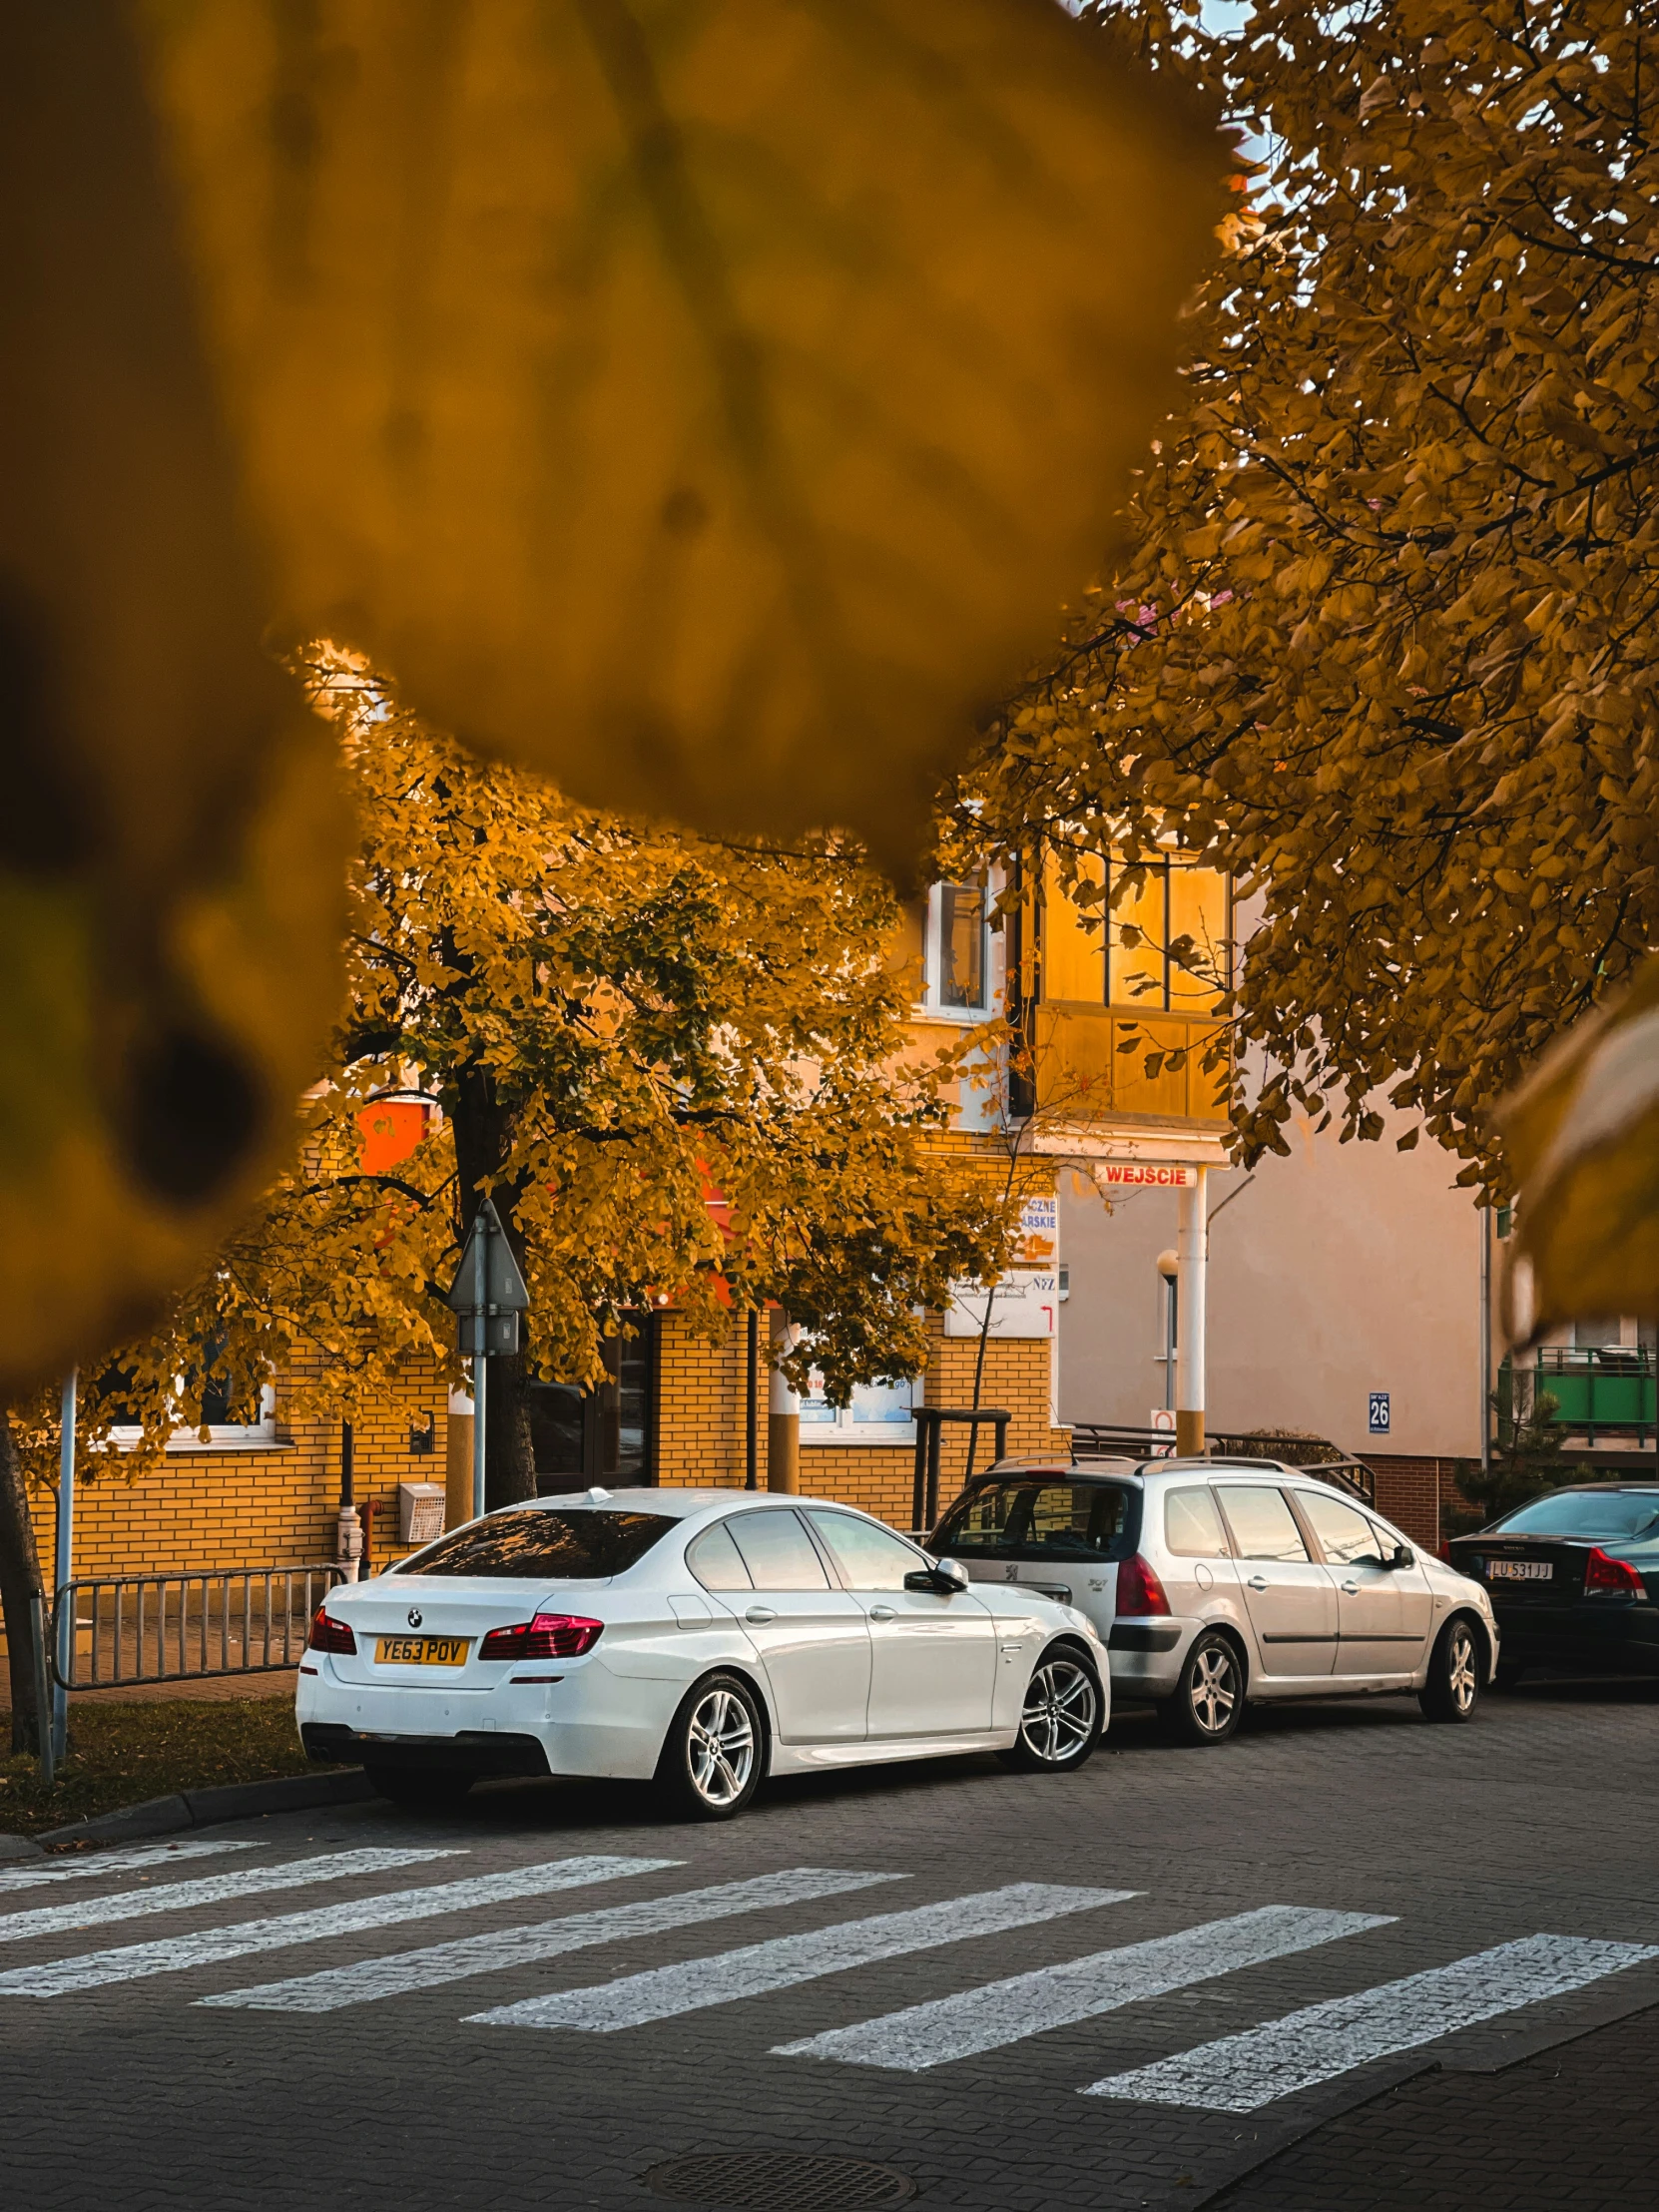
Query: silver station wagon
1215, 1583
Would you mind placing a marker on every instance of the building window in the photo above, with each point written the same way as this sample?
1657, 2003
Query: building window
880, 1414
233, 1424
1168, 943
948, 945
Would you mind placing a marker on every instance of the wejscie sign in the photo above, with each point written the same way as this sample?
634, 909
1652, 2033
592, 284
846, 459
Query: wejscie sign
1161, 1175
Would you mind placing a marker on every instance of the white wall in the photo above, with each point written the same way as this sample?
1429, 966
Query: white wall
1341, 1270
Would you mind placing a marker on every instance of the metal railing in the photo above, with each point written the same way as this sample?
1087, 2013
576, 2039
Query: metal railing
930, 1421
123, 1629
1607, 1389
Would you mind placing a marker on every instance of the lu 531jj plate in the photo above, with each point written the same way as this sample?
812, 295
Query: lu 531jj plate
1519, 1570
420, 1651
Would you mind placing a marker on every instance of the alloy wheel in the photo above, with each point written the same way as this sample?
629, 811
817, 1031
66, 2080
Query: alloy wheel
1061, 1707
722, 1747
1215, 1688
1461, 1679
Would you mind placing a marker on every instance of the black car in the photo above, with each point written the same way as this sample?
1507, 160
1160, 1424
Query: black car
1574, 1579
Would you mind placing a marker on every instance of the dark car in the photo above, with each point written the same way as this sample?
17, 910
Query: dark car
1574, 1579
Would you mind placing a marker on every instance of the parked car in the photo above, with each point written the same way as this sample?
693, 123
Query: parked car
702, 1637
1573, 1578
1216, 1582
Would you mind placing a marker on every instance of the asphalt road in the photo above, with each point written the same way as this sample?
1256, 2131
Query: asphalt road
1179, 1977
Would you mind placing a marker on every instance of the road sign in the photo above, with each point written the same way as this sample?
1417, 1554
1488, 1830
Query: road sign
502, 1336
505, 1290
1378, 1422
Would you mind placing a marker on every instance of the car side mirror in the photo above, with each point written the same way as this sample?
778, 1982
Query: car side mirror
946, 1579
1404, 1556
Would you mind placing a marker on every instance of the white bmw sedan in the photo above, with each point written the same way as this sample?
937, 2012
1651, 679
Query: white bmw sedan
703, 1638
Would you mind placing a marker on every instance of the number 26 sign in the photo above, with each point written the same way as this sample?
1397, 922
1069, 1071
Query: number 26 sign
1378, 1414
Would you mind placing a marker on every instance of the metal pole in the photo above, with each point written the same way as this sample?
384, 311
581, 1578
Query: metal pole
751, 1430
63, 1571
480, 1284
1485, 1340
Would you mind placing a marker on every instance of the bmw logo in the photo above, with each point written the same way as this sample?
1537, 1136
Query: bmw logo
414, 1617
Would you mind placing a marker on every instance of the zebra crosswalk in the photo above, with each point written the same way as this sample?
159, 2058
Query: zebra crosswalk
1283, 2053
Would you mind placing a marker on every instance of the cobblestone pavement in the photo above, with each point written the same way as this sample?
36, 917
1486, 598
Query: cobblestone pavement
1251, 1956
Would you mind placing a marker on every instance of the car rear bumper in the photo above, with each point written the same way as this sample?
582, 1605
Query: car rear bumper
1147, 1656
1596, 1634
467, 1752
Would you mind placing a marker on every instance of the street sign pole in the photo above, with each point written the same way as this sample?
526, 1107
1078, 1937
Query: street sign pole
480, 1362
63, 1569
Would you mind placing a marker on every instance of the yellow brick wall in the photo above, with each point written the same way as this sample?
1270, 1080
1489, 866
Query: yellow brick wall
264, 1506
699, 1419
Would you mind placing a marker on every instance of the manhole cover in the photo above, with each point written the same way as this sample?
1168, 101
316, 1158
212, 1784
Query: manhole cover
780, 2181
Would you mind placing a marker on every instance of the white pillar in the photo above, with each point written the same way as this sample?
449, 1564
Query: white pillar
1192, 1251
782, 1415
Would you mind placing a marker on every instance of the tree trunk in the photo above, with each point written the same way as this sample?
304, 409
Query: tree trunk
483, 1136
19, 1581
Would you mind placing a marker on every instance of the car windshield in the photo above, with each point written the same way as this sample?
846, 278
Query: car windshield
1036, 1519
537, 1545
1597, 1516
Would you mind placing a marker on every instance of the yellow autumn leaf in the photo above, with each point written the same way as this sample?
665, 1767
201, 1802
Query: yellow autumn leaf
704, 402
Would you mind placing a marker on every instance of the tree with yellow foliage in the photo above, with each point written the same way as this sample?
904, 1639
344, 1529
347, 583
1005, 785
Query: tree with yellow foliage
619, 1026
1383, 640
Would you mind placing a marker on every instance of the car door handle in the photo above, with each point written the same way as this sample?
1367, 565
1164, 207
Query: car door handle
1257, 1582
1351, 1588
761, 1614
881, 1613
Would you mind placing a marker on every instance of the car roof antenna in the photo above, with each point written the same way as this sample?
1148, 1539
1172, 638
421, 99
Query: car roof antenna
597, 1496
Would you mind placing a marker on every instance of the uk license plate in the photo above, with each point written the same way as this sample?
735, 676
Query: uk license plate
1519, 1570
420, 1651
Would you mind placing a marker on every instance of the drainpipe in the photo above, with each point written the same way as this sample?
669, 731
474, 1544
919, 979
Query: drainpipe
1192, 1251
1485, 1340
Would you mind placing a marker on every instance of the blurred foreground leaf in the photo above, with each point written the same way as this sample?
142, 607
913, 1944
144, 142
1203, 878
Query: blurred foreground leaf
1583, 1137
171, 843
703, 401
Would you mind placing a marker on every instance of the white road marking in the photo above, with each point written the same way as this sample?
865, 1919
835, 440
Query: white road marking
110, 1861
206, 1947
492, 1952
1002, 2012
180, 1897
664, 1993
1240, 2074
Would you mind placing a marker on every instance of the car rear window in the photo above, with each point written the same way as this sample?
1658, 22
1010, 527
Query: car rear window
534, 1543
1596, 1515
1037, 1519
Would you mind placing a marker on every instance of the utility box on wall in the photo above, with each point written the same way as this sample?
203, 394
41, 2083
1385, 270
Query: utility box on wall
419, 1513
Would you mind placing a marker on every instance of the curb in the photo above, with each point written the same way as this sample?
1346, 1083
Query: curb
18, 1847
231, 1801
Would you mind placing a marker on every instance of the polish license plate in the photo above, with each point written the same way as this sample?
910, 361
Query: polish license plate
420, 1651
1519, 1570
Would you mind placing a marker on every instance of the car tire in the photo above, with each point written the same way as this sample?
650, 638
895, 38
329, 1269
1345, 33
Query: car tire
1208, 1699
1064, 1713
420, 1789
715, 1749
1452, 1689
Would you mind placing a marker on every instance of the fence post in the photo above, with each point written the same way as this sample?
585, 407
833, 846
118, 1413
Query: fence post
43, 1701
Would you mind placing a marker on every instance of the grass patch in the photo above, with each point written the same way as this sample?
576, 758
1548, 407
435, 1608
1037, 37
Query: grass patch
121, 1754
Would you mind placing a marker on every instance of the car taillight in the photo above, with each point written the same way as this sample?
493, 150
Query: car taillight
328, 1634
1605, 1577
548, 1636
1139, 1589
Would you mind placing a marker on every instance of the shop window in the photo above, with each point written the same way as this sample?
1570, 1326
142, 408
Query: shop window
880, 1414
